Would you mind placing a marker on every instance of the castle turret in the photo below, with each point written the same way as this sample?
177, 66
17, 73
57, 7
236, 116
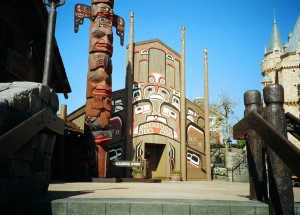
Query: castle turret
275, 41
294, 38
272, 56
282, 65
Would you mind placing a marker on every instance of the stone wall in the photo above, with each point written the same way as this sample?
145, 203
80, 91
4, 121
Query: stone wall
229, 166
25, 174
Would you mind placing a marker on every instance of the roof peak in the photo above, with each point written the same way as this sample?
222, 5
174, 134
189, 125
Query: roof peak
275, 37
294, 37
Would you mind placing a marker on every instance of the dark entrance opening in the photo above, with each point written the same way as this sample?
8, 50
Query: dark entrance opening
153, 154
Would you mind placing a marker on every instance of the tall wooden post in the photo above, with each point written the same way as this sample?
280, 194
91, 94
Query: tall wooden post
255, 151
99, 81
280, 183
206, 116
129, 83
182, 108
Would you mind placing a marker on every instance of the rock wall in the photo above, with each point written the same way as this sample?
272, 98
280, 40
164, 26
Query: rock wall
25, 174
229, 166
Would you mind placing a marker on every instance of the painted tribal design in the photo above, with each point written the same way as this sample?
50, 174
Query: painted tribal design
99, 83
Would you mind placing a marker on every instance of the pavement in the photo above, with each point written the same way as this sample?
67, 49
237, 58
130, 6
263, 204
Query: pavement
198, 190
190, 198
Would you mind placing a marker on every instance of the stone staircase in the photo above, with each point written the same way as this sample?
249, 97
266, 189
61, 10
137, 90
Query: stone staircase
241, 173
237, 166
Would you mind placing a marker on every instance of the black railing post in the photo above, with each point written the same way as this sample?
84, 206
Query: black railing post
255, 151
47, 73
280, 183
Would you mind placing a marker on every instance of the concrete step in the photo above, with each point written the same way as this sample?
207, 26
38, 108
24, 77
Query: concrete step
155, 206
158, 207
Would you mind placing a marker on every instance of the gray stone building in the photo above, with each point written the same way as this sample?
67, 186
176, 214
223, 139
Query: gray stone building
282, 65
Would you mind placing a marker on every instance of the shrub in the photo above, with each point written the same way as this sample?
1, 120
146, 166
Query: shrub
136, 170
175, 172
220, 171
217, 146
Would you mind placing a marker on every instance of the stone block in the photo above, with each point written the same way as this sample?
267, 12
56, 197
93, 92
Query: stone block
9, 119
38, 164
4, 86
51, 143
117, 208
3, 102
297, 208
35, 104
262, 210
27, 154
5, 162
25, 84
20, 168
47, 143
41, 183
59, 207
48, 159
16, 155
17, 99
34, 143
146, 208
44, 93
4, 171
86, 207
245, 208
54, 102
173, 209
210, 208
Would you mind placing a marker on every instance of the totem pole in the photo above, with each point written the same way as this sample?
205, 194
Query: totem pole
99, 85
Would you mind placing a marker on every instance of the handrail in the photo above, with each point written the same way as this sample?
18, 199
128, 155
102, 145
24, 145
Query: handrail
240, 162
288, 152
293, 125
17, 136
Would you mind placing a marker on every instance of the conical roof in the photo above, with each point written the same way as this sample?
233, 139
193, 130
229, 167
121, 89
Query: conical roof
294, 38
275, 37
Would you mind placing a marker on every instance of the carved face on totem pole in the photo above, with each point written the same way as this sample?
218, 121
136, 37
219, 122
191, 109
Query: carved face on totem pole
99, 84
99, 89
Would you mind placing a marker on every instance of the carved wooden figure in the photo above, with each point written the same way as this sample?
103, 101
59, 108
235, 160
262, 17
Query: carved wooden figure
99, 84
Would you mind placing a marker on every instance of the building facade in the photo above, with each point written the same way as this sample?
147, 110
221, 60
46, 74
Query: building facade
23, 30
282, 65
155, 119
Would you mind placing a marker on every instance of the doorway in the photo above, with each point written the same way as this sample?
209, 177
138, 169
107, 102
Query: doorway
153, 154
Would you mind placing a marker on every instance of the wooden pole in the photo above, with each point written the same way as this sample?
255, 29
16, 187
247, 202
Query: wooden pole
206, 116
182, 108
129, 83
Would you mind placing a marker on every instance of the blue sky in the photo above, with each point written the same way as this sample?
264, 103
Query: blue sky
234, 32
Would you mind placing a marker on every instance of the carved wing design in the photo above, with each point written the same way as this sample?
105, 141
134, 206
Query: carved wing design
81, 11
119, 23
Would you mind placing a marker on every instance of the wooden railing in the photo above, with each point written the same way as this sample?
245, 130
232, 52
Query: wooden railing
288, 152
265, 131
17, 136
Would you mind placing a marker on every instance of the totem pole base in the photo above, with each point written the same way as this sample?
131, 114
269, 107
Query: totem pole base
102, 156
105, 180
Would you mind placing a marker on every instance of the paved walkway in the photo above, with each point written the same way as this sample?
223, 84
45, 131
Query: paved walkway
198, 190
166, 198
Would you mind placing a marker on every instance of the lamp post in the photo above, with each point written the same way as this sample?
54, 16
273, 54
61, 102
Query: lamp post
53, 4
229, 160
228, 142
